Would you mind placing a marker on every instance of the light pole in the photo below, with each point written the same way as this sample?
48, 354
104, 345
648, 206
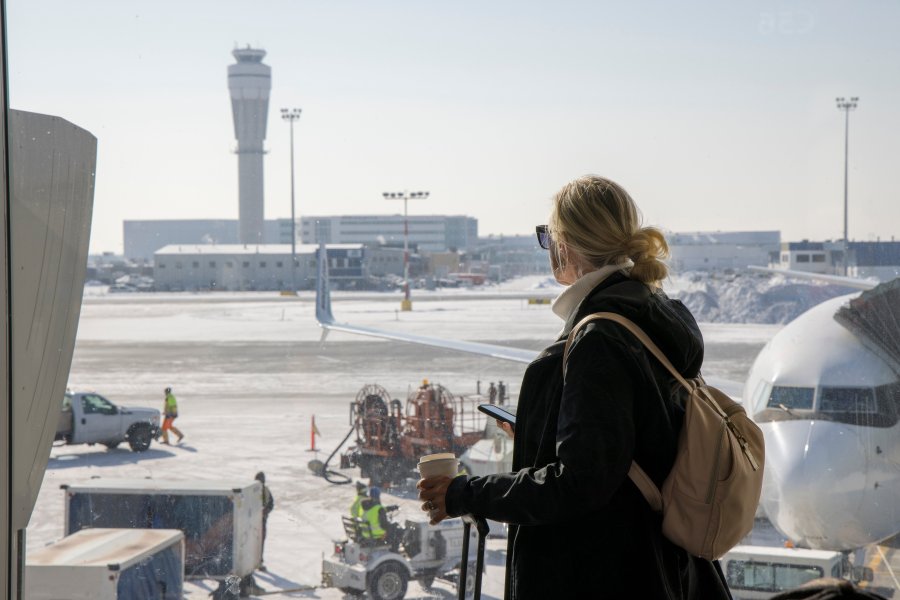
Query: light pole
846, 106
406, 303
291, 115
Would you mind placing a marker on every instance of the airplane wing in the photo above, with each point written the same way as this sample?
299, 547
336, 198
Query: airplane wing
327, 323
857, 284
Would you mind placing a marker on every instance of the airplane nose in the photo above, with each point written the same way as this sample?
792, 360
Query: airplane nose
815, 482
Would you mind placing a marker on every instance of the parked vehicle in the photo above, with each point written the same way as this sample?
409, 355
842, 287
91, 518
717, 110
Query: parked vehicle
362, 564
89, 418
221, 520
108, 564
762, 571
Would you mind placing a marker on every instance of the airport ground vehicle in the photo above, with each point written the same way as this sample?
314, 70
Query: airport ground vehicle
390, 437
89, 418
108, 564
361, 564
221, 520
761, 571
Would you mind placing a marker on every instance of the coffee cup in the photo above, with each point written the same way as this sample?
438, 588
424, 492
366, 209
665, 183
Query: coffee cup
436, 465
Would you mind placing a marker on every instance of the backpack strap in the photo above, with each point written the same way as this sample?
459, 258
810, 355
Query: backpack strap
690, 386
637, 475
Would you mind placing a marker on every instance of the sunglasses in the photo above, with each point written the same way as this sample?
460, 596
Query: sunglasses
543, 236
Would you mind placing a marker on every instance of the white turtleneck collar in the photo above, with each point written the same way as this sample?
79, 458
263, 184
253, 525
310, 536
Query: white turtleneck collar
572, 296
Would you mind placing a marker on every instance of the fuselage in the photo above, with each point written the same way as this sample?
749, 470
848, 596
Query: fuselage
829, 410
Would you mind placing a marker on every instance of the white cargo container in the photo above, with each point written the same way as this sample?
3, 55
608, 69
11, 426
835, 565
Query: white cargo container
221, 520
108, 564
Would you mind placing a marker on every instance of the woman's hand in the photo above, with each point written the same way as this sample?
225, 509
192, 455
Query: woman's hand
433, 491
507, 428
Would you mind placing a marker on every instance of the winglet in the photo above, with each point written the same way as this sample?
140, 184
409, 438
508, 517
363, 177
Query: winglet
323, 294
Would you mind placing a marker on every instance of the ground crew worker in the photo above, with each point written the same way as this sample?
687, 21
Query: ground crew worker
492, 393
170, 411
356, 510
380, 528
501, 393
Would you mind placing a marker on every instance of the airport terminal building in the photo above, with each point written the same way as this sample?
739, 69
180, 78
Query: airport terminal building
720, 250
234, 267
430, 233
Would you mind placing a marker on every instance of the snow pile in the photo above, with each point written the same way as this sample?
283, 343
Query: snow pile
748, 297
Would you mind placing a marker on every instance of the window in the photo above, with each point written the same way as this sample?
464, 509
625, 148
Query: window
161, 265
818, 258
93, 404
246, 264
228, 264
803, 258
196, 264
791, 397
888, 398
212, 264
262, 264
279, 264
769, 577
855, 400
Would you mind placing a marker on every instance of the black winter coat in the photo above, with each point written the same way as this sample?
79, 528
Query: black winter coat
579, 528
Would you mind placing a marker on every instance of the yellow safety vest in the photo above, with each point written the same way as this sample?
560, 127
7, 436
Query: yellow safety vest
356, 509
371, 516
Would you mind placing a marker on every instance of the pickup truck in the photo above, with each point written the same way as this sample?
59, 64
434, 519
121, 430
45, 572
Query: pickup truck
89, 418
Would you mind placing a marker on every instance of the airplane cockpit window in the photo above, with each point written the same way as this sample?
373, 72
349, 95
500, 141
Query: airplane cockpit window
791, 397
888, 398
847, 399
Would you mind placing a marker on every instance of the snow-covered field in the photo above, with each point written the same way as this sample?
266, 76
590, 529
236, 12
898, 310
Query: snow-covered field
249, 373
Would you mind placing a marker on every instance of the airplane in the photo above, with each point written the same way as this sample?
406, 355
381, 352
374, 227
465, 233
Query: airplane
828, 406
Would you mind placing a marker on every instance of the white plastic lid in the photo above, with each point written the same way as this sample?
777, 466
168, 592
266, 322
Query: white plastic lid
441, 456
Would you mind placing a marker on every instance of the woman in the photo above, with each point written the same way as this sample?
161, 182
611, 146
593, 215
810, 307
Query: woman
579, 528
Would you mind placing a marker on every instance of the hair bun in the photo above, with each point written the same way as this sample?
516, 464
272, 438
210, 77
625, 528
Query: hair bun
647, 248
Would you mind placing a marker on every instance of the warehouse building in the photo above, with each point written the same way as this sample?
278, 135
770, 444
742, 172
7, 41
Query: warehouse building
253, 267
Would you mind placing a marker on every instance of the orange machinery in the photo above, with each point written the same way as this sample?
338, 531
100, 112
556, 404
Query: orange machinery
391, 437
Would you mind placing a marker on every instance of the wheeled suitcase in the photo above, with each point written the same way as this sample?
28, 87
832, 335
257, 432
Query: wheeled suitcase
482, 527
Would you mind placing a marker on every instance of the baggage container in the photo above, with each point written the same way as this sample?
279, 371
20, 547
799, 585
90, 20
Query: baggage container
108, 564
221, 520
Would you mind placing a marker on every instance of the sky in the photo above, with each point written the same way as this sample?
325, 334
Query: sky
714, 115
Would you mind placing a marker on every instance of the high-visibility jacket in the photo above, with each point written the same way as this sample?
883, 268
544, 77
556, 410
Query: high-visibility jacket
171, 406
356, 509
371, 516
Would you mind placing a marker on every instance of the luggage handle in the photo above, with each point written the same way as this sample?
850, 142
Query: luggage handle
483, 529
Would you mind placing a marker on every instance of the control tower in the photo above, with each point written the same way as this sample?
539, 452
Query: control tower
249, 82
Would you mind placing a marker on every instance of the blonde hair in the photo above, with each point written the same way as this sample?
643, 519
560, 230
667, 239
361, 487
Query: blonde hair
597, 219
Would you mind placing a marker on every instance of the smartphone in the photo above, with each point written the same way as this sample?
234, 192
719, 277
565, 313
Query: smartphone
496, 412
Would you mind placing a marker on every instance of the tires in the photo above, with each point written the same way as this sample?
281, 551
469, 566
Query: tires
388, 581
139, 437
112, 445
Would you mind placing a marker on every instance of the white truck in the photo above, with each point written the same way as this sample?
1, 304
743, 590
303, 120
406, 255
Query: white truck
89, 418
108, 564
754, 572
221, 520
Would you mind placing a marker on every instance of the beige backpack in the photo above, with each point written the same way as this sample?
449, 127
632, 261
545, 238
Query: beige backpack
709, 499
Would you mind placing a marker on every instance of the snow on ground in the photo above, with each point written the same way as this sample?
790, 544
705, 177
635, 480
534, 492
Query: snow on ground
249, 373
